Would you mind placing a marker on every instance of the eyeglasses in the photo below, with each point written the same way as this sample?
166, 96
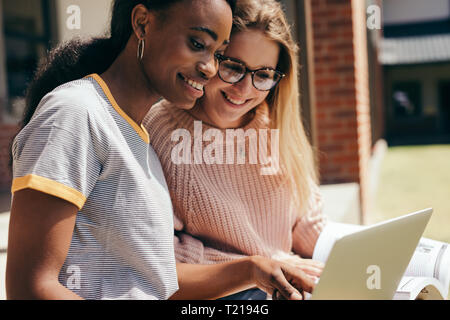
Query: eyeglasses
232, 71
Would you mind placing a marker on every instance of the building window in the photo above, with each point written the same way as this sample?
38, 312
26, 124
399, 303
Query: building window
27, 38
407, 99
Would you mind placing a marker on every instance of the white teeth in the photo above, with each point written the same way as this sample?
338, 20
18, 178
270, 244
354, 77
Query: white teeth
237, 102
193, 84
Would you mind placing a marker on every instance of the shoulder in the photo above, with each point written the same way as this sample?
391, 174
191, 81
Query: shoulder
161, 122
79, 94
163, 118
74, 109
74, 102
161, 112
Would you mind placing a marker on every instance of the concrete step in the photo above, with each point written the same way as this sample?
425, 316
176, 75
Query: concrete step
4, 224
2, 276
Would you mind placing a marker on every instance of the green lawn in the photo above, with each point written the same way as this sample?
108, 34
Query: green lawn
413, 178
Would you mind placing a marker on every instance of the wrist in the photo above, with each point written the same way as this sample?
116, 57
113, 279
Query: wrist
252, 266
241, 273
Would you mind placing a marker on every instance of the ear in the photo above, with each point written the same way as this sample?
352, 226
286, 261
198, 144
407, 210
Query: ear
141, 19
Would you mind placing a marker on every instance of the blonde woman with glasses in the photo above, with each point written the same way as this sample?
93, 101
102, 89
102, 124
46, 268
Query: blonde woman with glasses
239, 166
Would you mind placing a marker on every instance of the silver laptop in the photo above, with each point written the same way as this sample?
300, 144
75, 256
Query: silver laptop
369, 264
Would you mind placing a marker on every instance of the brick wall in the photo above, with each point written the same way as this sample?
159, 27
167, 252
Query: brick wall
7, 132
342, 97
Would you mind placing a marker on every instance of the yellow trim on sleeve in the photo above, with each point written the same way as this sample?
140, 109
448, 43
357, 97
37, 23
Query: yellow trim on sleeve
138, 128
50, 187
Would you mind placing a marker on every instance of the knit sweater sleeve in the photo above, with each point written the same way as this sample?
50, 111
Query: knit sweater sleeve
189, 249
307, 228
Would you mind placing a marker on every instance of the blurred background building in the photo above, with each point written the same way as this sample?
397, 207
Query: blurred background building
360, 83
28, 29
416, 62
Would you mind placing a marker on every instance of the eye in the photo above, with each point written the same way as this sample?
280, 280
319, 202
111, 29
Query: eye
197, 45
234, 67
264, 74
219, 57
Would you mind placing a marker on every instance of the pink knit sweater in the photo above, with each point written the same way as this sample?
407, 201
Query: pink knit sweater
227, 211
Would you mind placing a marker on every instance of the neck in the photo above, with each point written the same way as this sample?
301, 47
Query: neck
129, 86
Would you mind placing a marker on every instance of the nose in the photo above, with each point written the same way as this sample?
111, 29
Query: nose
245, 86
208, 68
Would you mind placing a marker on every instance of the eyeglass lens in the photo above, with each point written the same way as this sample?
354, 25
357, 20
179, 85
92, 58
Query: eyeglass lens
232, 72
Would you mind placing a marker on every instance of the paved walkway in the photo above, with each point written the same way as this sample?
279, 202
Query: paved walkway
4, 223
5, 201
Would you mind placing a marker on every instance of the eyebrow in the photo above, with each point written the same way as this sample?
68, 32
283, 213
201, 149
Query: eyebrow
245, 65
210, 32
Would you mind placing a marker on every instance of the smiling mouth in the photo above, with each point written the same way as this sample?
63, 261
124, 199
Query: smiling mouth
192, 83
234, 101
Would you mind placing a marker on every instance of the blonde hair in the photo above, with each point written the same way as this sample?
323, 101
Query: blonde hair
296, 155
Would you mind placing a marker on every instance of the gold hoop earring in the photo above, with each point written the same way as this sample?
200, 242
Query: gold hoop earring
140, 51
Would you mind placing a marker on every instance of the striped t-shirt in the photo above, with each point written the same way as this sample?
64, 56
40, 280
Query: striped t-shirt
81, 146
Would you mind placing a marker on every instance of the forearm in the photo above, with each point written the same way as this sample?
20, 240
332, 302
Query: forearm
304, 246
305, 234
191, 250
56, 291
42, 290
199, 282
307, 228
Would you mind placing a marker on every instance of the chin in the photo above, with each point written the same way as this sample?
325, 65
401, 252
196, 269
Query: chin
183, 104
186, 106
235, 116
231, 120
